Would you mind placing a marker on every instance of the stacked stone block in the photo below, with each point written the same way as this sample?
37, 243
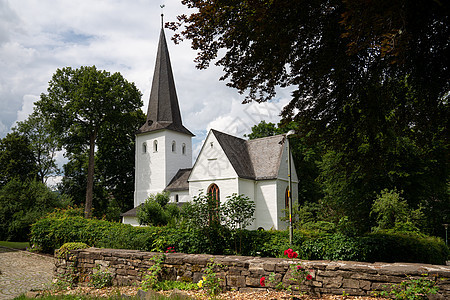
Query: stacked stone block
243, 273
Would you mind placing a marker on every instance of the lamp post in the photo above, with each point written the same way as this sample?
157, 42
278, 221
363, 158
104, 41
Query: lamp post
291, 229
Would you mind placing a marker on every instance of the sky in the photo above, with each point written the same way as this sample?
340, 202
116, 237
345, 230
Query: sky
38, 37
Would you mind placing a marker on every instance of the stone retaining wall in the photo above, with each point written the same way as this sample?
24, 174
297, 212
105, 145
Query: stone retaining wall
244, 273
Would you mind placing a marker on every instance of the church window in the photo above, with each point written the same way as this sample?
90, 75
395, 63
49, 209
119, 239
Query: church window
183, 149
212, 144
176, 198
155, 146
144, 147
214, 197
174, 146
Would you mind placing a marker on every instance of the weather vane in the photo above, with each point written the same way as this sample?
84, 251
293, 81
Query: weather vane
162, 15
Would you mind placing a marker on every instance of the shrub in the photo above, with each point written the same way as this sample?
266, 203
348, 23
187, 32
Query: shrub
65, 249
50, 233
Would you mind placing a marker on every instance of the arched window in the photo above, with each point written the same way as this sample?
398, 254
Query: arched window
155, 146
144, 147
174, 146
183, 149
214, 197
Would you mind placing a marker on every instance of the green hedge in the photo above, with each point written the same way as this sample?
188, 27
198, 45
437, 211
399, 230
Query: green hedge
52, 232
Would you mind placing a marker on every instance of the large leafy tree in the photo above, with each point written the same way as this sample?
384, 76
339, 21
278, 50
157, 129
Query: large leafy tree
16, 159
42, 143
83, 105
22, 203
371, 84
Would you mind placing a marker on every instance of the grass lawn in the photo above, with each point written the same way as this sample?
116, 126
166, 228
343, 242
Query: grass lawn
15, 245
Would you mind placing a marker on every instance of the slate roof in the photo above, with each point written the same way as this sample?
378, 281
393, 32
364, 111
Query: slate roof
179, 181
256, 159
131, 213
163, 110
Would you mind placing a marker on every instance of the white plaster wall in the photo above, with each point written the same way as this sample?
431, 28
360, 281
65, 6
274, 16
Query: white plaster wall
266, 211
183, 196
155, 169
177, 160
212, 163
247, 188
283, 170
130, 220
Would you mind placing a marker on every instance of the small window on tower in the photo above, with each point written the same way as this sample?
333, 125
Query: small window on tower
155, 146
174, 146
144, 147
183, 149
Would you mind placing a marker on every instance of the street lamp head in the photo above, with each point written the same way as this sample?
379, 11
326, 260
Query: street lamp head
290, 132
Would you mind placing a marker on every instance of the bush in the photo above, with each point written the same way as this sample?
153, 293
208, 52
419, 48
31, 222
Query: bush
52, 232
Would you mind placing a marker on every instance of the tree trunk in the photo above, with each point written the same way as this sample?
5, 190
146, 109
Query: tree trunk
90, 176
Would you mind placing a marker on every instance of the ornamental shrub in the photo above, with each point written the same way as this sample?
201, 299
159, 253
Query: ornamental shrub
51, 232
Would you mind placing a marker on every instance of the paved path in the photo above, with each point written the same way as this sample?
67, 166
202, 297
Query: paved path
22, 271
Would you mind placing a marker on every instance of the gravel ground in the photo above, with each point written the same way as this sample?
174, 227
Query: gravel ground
201, 295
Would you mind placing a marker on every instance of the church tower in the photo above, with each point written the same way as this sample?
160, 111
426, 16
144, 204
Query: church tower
163, 144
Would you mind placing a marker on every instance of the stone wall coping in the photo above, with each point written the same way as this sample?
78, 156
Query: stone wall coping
382, 268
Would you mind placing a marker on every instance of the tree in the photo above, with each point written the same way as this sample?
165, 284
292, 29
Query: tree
114, 169
263, 129
80, 104
16, 159
22, 203
237, 212
157, 211
42, 143
371, 86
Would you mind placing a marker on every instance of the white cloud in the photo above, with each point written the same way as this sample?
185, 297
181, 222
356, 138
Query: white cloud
37, 37
27, 107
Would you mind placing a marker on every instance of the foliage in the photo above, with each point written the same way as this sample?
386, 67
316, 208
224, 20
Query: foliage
237, 212
50, 233
42, 143
100, 278
199, 212
83, 106
393, 212
413, 288
16, 159
151, 278
370, 92
22, 203
64, 250
263, 129
299, 274
156, 211
210, 281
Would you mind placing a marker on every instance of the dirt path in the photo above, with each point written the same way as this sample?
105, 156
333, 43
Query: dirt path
22, 271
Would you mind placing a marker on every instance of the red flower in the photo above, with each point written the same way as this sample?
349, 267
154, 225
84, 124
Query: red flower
262, 281
308, 277
287, 251
292, 254
299, 267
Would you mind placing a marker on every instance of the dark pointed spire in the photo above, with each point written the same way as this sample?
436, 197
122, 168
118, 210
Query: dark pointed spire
163, 110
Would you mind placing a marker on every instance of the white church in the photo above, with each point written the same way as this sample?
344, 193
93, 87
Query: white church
225, 165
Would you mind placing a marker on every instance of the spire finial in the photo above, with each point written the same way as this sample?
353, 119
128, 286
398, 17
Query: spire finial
162, 15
